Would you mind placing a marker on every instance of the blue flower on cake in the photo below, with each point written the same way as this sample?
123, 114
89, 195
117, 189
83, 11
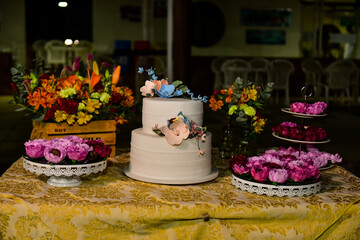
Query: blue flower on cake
164, 89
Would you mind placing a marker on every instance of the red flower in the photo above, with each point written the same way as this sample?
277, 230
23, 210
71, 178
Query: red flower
50, 114
68, 106
240, 159
14, 87
99, 148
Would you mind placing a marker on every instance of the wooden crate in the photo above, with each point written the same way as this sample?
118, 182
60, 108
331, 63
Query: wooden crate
102, 129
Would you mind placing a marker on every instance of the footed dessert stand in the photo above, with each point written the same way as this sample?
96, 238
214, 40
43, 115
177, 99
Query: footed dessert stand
272, 190
64, 175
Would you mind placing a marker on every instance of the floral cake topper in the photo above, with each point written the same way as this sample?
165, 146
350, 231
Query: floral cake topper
181, 128
162, 88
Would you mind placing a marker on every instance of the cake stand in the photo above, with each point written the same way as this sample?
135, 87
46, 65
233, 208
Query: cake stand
64, 175
272, 190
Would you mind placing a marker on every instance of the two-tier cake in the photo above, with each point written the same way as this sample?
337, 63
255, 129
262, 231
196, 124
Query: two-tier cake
175, 159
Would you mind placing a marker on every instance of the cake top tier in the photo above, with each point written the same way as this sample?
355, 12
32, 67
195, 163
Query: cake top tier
160, 110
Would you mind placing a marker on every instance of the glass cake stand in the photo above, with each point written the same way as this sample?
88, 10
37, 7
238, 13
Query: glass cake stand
64, 175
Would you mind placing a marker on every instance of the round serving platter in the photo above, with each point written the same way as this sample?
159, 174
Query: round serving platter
64, 175
301, 141
272, 190
302, 115
174, 181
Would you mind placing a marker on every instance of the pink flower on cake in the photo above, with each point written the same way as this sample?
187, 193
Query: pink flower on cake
176, 132
35, 148
147, 89
278, 175
78, 151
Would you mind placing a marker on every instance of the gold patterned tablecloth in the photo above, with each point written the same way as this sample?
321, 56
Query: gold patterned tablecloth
113, 206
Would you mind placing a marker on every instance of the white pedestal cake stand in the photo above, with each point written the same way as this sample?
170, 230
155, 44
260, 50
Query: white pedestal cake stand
64, 175
272, 190
172, 181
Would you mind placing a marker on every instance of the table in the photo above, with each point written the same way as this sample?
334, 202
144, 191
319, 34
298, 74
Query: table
112, 206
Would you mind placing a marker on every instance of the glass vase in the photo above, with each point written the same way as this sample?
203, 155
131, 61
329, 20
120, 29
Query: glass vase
226, 148
245, 142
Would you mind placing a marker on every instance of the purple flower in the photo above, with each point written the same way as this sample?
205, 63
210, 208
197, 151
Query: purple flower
298, 107
260, 173
78, 151
297, 173
74, 139
239, 169
35, 148
316, 108
55, 153
289, 124
278, 175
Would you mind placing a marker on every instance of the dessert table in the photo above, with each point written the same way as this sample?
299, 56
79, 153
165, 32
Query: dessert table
109, 205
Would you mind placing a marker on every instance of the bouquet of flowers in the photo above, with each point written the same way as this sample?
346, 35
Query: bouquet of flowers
309, 108
72, 97
300, 132
243, 102
68, 150
284, 166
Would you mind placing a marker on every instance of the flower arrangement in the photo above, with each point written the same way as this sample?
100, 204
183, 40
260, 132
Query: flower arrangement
283, 166
68, 150
242, 102
180, 128
300, 132
71, 97
162, 88
308, 108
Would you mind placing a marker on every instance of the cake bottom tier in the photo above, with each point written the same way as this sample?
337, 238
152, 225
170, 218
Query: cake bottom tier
152, 159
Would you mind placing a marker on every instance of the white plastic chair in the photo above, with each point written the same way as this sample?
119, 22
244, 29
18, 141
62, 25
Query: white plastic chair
339, 75
216, 69
260, 70
55, 52
313, 74
83, 49
234, 68
281, 70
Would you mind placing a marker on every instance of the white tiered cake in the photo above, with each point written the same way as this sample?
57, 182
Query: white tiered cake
153, 159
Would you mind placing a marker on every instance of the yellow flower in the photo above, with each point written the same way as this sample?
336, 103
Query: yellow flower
250, 111
253, 93
83, 118
233, 109
60, 116
258, 125
92, 105
70, 119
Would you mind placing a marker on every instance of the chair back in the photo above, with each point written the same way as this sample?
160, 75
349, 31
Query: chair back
313, 73
55, 52
234, 68
260, 70
340, 73
83, 49
281, 70
216, 69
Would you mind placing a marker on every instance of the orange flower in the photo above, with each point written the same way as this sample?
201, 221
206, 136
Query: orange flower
215, 105
120, 120
34, 99
228, 99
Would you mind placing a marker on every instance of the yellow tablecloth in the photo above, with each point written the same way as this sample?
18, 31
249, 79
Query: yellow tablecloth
112, 206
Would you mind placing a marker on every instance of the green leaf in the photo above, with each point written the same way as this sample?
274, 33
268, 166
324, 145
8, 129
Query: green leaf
177, 83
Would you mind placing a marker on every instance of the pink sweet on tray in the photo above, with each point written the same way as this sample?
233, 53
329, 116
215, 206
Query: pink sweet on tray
308, 108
